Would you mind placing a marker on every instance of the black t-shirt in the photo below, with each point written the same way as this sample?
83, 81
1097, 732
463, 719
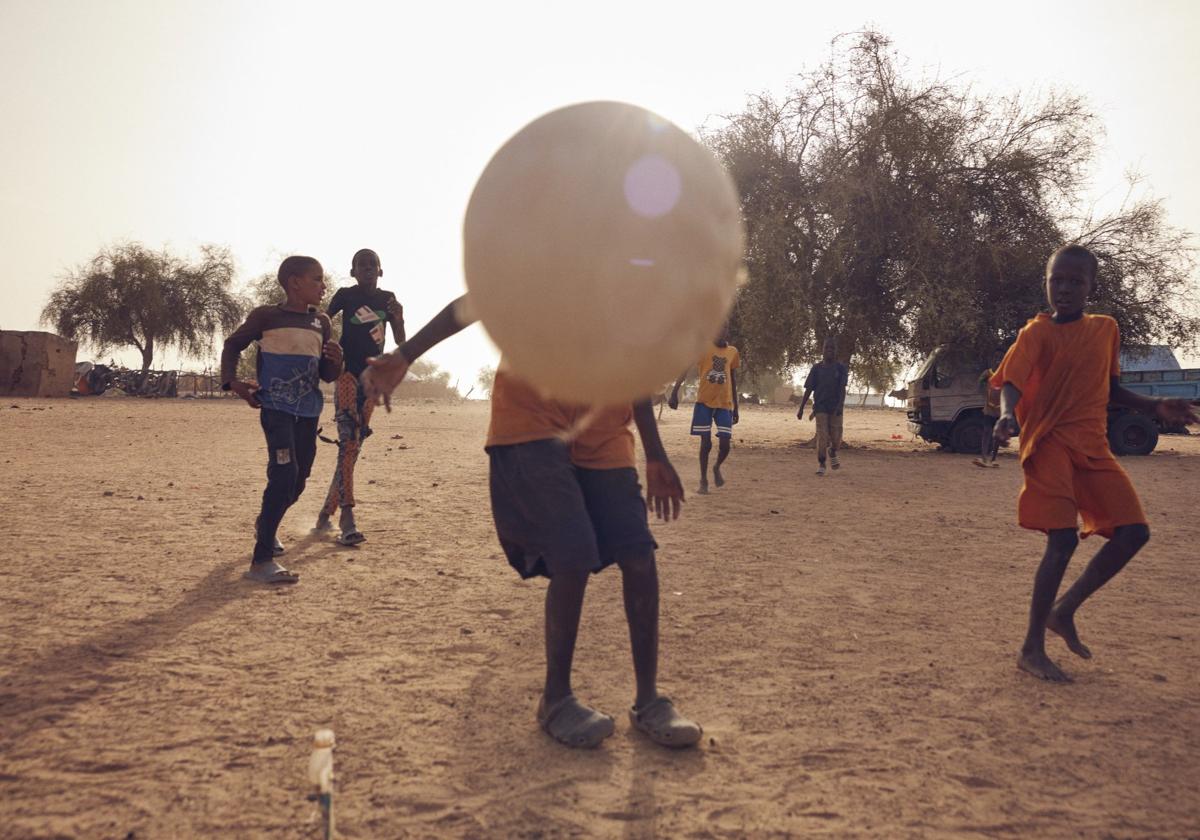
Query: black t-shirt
827, 381
364, 323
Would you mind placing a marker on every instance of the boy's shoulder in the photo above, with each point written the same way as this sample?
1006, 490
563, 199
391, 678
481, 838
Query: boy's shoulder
260, 315
1104, 321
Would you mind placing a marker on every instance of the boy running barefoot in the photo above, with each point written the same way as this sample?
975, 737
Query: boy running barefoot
295, 351
1056, 383
826, 383
566, 503
716, 400
366, 311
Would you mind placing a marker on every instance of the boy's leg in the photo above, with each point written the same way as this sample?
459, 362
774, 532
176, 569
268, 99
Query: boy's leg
305, 436
705, 449
618, 512
822, 421
544, 528
1127, 540
985, 442
1060, 545
282, 471
639, 584
564, 603
724, 418
835, 438
723, 445
345, 403
363, 409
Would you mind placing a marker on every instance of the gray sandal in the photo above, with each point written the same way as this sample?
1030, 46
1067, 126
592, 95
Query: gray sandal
354, 537
659, 720
271, 572
570, 722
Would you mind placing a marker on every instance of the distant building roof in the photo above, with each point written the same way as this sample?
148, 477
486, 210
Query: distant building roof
1154, 357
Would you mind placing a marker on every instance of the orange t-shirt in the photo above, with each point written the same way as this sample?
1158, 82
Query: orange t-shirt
716, 385
1063, 372
600, 438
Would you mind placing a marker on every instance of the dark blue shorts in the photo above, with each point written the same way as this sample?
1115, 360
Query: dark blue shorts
552, 515
703, 417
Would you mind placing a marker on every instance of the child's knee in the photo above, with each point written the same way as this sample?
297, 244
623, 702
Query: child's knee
637, 561
705, 443
1063, 542
1133, 537
724, 444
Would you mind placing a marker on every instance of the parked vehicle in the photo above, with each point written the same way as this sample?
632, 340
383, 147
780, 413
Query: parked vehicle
945, 399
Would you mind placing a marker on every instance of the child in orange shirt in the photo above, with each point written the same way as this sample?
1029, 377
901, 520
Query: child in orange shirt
566, 504
1056, 383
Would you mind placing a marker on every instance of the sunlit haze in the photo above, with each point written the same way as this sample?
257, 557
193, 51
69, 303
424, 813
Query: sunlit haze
322, 128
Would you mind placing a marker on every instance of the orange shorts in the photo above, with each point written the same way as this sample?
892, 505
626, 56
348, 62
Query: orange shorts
1063, 486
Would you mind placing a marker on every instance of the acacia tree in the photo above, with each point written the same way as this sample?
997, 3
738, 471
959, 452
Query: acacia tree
897, 215
130, 296
486, 379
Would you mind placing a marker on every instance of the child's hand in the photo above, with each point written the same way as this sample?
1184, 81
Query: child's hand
664, 490
736, 417
1176, 411
395, 310
333, 351
812, 415
382, 376
246, 390
1006, 427
673, 402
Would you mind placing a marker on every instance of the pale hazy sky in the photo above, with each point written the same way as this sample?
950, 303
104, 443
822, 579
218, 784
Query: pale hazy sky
321, 128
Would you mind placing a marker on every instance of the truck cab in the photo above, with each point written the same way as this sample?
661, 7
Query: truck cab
945, 399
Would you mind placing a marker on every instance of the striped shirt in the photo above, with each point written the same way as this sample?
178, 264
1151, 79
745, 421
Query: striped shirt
291, 359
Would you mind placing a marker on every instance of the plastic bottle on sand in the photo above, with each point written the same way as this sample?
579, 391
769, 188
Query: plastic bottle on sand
320, 776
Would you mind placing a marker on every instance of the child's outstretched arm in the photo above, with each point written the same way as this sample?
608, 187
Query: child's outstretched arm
804, 402
734, 388
396, 319
231, 353
388, 371
1006, 424
1171, 411
673, 402
664, 490
330, 367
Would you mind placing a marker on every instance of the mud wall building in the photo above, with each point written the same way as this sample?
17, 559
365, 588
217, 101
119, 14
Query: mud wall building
36, 364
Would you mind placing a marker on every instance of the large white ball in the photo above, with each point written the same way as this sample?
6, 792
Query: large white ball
602, 250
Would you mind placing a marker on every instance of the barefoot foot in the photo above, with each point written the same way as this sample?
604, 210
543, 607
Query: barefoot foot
1040, 666
718, 479
1064, 625
703, 491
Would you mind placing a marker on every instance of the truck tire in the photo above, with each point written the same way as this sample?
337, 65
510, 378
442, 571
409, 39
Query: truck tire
967, 434
1132, 434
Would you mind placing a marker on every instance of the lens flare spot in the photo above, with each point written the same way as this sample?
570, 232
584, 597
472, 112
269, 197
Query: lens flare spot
652, 186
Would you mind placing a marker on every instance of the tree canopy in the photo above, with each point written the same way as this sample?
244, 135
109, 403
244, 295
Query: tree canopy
130, 296
897, 214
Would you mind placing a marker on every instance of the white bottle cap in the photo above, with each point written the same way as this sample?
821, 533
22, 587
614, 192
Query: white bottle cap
323, 739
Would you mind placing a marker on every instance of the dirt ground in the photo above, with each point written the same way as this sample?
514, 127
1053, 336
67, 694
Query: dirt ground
847, 642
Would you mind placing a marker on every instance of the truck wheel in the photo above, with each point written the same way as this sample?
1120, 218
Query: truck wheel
967, 434
1132, 434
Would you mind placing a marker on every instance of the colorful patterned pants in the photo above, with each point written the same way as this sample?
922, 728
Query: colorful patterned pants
352, 413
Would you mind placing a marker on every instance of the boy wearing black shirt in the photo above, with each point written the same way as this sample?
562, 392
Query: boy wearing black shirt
366, 311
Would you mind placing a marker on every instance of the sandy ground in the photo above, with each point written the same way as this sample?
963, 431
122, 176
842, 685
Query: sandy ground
847, 642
